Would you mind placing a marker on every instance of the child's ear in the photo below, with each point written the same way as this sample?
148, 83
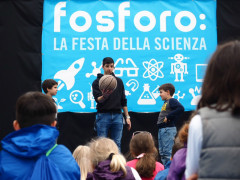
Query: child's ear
16, 125
54, 123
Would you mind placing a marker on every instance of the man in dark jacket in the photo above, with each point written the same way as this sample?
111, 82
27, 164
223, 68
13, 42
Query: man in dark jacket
31, 151
110, 105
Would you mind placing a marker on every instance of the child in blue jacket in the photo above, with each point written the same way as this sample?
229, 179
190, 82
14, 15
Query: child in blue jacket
31, 151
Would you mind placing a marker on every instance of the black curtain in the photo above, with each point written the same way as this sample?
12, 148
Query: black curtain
20, 54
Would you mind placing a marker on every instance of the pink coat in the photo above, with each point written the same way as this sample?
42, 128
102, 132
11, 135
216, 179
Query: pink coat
159, 167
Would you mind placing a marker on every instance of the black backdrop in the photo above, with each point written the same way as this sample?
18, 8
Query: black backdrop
21, 65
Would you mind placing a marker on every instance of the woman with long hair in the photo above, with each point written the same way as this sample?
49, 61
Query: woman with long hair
213, 141
144, 152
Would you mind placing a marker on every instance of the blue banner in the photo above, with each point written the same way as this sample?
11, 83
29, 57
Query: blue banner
152, 43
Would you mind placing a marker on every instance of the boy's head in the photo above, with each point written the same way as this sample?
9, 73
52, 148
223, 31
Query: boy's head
49, 86
166, 91
34, 108
108, 65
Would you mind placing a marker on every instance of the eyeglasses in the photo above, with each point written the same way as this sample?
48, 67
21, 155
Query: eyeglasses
138, 132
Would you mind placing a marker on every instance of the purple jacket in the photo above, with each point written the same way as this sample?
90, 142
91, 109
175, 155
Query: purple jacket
178, 165
103, 172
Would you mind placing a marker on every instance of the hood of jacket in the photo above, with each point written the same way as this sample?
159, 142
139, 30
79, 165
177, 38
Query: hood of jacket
102, 171
31, 141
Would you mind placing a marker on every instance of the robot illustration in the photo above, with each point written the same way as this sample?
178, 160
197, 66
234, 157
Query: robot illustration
179, 67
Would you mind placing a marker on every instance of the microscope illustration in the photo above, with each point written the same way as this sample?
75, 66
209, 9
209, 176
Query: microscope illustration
178, 67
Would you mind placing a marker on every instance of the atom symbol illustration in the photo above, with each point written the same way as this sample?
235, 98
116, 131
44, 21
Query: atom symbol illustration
153, 69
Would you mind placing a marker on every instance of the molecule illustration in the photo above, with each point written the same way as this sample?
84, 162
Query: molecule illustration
178, 95
95, 70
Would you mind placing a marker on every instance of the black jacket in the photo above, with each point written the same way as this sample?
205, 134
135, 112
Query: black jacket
115, 102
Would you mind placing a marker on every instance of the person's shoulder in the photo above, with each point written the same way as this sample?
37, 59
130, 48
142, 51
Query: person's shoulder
180, 154
97, 79
196, 122
132, 163
95, 82
172, 99
63, 159
162, 175
159, 166
118, 79
61, 150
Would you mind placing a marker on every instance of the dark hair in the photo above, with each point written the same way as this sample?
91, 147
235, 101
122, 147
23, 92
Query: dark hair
168, 87
220, 89
48, 84
107, 60
144, 143
35, 108
176, 146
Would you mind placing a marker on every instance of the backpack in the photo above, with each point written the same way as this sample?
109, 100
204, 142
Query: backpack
45, 169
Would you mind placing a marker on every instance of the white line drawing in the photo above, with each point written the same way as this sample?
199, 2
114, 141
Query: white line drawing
58, 103
156, 92
195, 99
178, 67
178, 95
119, 70
91, 98
76, 97
68, 76
200, 69
127, 93
95, 70
146, 97
133, 82
153, 69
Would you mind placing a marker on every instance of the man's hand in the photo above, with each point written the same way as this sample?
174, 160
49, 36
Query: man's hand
165, 120
128, 121
106, 93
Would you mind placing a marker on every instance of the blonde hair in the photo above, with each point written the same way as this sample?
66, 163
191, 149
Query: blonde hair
82, 156
101, 149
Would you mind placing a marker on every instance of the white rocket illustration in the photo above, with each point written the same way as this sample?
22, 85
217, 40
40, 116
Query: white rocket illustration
68, 76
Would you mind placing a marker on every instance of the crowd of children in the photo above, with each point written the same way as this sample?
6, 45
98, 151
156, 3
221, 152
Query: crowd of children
206, 147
